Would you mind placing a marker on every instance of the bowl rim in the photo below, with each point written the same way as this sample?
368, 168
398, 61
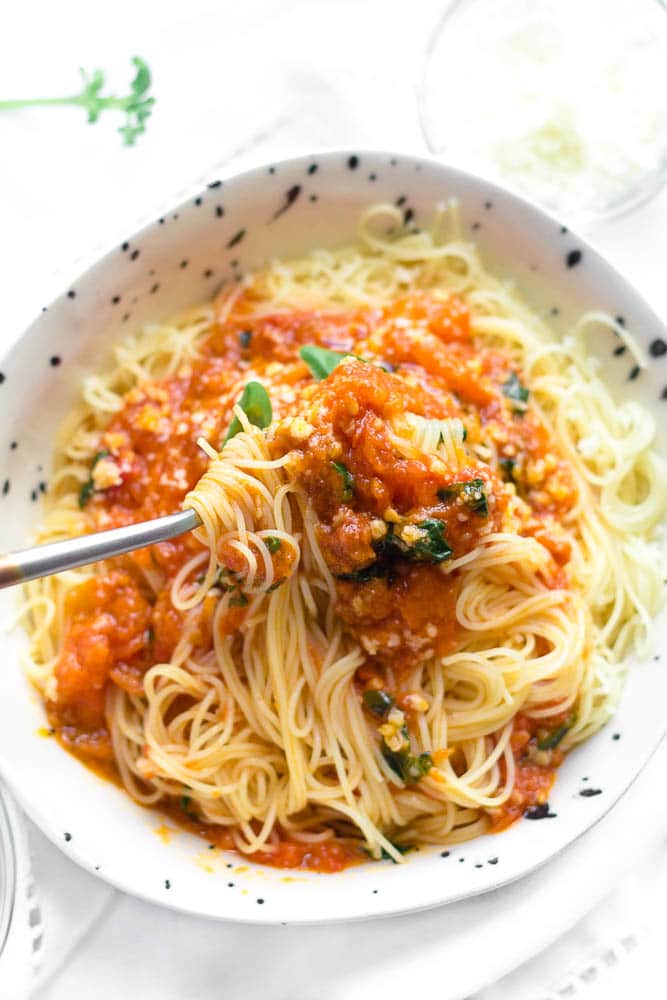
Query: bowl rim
30, 802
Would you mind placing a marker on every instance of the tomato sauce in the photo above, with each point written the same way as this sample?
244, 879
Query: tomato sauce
533, 780
423, 360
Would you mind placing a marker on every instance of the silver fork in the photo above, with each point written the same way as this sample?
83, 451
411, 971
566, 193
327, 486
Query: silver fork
54, 557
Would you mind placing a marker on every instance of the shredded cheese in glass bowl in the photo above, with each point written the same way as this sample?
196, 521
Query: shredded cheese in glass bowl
561, 100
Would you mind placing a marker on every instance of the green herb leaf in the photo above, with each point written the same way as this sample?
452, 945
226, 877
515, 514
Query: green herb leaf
378, 702
245, 336
406, 766
256, 405
514, 390
88, 488
272, 544
401, 848
136, 106
473, 494
434, 547
186, 806
373, 571
431, 548
507, 469
320, 360
348, 479
556, 735
238, 600
276, 584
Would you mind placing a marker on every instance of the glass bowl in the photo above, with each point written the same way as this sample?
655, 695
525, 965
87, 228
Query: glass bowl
562, 101
7, 874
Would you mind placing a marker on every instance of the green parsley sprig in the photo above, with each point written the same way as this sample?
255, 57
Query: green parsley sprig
137, 106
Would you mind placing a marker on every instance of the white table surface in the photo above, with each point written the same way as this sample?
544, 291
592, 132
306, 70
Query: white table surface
236, 83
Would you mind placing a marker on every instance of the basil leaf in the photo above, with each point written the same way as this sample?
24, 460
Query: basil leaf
373, 571
514, 390
434, 548
552, 740
507, 469
238, 600
431, 548
320, 360
272, 544
348, 479
401, 848
88, 488
472, 493
406, 766
256, 405
378, 702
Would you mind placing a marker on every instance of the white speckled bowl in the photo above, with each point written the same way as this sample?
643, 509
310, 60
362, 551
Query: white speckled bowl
177, 261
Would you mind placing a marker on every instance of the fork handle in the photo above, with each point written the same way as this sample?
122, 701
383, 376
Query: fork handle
54, 557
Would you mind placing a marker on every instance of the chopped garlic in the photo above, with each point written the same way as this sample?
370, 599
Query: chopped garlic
105, 474
300, 429
411, 534
415, 702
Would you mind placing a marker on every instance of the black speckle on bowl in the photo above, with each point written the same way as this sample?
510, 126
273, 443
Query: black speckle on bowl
291, 196
312, 169
154, 288
115, 300
14, 445
633, 373
208, 273
313, 197
55, 360
219, 211
214, 184
236, 239
372, 177
573, 258
167, 884
492, 861
589, 793
621, 349
71, 294
657, 348
183, 264
444, 854
68, 837
6, 486
541, 811
353, 162
198, 201
125, 246
134, 254
400, 201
